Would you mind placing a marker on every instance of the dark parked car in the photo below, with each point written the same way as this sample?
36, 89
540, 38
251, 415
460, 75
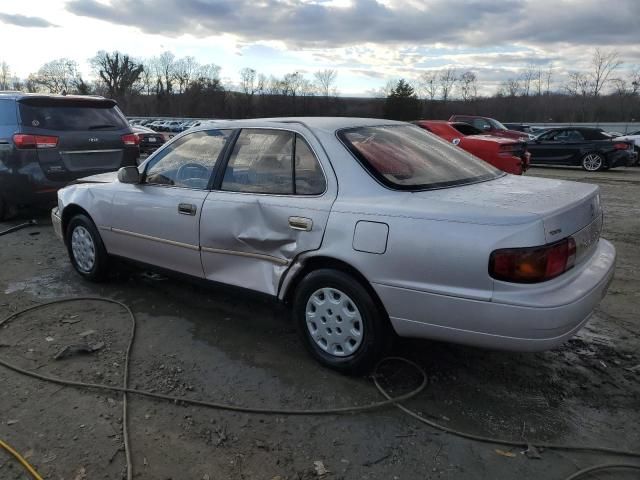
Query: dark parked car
590, 148
46, 141
490, 126
149, 139
519, 127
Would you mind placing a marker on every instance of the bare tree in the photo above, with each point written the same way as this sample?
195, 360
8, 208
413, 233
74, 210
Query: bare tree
537, 83
325, 79
447, 79
248, 81
511, 87
603, 64
577, 84
526, 79
5, 76
428, 84
548, 79
59, 76
185, 72
468, 83
208, 75
118, 72
634, 80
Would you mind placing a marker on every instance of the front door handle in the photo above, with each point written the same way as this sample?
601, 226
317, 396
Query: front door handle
301, 223
187, 209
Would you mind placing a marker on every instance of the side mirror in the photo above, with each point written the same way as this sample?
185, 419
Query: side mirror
129, 175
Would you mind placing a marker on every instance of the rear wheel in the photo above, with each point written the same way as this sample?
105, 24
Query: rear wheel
339, 322
86, 250
593, 161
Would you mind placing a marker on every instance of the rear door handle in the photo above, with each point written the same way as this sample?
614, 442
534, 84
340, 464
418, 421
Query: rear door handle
187, 209
301, 223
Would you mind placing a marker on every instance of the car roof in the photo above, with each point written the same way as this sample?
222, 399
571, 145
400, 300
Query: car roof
328, 124
15, 95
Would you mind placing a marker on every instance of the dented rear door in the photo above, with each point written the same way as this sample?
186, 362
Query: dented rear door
271, 203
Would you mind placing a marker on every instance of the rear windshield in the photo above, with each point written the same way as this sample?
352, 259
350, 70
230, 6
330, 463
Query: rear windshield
72, 116
405, 157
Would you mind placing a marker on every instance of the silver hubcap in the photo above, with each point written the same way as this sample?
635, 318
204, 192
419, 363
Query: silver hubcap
84, 251
334, 322
592, 162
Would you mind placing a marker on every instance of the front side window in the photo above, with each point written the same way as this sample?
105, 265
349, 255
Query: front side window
188, 162
273, 161
408, 158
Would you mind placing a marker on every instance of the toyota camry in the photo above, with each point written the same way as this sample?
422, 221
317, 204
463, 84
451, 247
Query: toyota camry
365, 228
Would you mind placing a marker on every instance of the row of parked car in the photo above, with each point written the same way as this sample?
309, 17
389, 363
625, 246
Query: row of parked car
164, 125
47, 141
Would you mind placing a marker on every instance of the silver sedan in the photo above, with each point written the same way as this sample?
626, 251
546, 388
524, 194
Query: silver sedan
366, 228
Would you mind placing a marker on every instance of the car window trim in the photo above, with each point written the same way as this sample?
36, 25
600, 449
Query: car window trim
217, 186
212, 175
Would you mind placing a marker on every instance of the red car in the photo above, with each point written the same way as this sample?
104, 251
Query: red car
491, 126
506, 154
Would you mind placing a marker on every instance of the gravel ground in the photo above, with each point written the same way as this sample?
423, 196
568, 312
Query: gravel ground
229, 347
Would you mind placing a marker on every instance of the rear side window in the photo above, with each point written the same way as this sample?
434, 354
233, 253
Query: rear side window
273, 161
72, 116
7, 112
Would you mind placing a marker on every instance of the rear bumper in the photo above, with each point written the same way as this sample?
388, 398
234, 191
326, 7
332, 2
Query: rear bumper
622, 158
545, 322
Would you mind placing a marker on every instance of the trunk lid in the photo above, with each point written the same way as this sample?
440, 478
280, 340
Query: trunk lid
564, 207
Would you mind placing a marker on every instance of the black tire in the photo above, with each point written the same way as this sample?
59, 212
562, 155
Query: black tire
376, 333
100, 266
593, 162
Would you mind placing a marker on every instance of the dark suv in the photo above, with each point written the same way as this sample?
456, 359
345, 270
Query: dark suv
46, 141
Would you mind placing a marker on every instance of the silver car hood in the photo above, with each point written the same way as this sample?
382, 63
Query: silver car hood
565, 207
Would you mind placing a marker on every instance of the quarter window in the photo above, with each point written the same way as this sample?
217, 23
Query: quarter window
188, 162
309, 177
273, 161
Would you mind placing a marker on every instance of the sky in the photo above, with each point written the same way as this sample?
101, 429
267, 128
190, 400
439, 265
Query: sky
367, 42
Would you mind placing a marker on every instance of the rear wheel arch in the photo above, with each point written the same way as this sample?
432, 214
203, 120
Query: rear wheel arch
322, 262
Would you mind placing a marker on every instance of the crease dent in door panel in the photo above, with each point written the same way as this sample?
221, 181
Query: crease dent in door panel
261, 229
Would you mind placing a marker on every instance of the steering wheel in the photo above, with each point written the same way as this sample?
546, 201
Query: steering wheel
192, 171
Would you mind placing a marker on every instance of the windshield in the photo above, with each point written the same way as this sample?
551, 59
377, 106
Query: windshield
405, 157
496, 124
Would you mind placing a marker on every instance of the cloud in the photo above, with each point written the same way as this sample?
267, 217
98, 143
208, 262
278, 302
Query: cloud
25, 21
309, 24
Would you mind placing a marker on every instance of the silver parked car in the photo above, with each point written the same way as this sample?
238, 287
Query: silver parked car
365, 227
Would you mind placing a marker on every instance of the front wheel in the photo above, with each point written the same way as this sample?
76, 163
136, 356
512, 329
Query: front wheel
339, 322
86, 250
592, 162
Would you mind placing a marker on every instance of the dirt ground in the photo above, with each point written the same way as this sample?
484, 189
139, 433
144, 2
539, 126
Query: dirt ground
229, 347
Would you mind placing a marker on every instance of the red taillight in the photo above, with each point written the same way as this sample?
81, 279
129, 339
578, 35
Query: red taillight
131, 139
21, 140
507, 148
532, 265
621, 146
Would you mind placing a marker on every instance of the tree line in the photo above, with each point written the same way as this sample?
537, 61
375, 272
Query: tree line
167, 85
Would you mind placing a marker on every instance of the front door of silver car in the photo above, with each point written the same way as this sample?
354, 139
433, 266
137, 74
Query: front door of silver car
158, 221
272, 203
